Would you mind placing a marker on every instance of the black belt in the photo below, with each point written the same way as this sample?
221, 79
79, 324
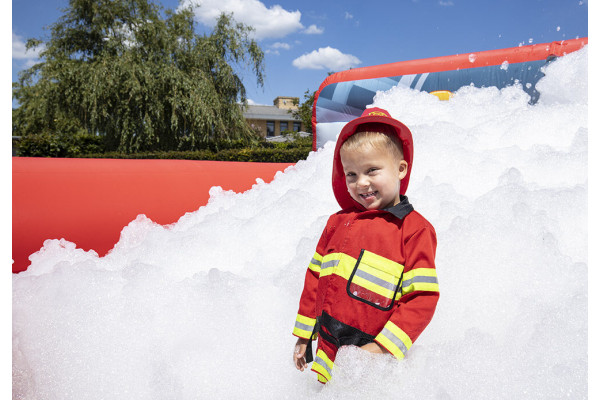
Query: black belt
339, 334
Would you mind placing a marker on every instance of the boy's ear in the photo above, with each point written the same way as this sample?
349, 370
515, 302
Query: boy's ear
402, 169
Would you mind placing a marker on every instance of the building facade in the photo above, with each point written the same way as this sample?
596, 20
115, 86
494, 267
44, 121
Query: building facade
273, 120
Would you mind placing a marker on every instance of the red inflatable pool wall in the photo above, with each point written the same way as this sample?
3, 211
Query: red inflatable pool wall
89, 201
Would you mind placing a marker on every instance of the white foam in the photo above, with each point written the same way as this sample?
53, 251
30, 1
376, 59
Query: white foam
204, 308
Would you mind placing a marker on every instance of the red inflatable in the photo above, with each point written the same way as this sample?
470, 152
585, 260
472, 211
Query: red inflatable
344, 95
89, 201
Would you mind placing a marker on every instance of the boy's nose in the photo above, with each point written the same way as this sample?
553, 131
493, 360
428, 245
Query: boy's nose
363, 181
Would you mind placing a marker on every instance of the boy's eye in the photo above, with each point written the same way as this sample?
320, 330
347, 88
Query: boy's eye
350, 174
372, 170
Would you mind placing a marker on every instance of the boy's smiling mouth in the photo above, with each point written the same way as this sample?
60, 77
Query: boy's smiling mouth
368, 195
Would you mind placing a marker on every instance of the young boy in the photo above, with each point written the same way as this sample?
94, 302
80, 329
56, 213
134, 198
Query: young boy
372, 281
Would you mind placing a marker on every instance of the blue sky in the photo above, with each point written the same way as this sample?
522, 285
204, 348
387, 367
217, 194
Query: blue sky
304, 40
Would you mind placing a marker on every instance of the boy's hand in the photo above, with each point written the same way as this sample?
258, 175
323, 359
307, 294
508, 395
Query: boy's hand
374, 347
299, 353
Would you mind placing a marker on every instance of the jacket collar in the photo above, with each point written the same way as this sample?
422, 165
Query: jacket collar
401, 209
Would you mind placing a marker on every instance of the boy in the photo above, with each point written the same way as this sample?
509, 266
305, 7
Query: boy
372, 281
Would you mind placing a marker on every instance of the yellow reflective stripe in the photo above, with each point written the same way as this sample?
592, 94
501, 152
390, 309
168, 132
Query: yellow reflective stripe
424, 279
373, 287
390, 280
339, 264
331, 262
382, 264
304, 326
394, 339
323, 365
384, 273
315, 263
378, 274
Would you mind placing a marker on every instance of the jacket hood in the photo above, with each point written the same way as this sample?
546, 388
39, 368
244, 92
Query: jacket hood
370, 115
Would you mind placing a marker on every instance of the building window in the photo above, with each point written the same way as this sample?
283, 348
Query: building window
283, 126
297, 126
270, 128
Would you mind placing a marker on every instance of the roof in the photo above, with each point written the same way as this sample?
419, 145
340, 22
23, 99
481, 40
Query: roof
268, 112
286, 138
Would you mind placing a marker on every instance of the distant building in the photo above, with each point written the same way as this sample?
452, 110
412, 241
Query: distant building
272, 120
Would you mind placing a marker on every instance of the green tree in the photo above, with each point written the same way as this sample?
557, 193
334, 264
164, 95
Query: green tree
304, 111
141, 78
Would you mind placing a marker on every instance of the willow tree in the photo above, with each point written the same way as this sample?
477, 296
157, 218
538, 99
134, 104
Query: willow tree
139, 75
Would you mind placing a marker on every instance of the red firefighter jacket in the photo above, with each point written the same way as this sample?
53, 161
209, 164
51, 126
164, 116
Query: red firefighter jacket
372, 278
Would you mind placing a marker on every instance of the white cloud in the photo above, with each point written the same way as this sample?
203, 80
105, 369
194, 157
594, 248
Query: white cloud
272, 22
446, 3
274, 48
20, 52
281, 45
313, 30
326, 58
349, 17
251, 102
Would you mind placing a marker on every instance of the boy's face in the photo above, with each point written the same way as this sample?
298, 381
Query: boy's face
373, 176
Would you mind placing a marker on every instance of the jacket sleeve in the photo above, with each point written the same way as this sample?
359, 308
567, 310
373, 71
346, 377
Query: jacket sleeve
306, 318
420, 293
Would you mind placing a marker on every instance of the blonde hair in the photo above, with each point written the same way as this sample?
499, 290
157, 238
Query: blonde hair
379, 136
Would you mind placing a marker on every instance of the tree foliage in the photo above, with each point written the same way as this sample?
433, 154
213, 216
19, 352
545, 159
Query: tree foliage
138, 76
304, 111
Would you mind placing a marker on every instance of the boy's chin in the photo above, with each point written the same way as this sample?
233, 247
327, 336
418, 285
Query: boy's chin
375, 205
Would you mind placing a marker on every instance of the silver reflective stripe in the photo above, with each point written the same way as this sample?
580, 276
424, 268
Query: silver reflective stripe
375, 280
394, 339
322, 363
304, 327
315, 261
419, 279
330, 264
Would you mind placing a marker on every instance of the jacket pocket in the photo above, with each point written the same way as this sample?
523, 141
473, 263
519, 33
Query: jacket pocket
375, 280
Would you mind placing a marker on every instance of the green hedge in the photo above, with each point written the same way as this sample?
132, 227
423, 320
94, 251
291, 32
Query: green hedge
275, 155
48, 145
88, 146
